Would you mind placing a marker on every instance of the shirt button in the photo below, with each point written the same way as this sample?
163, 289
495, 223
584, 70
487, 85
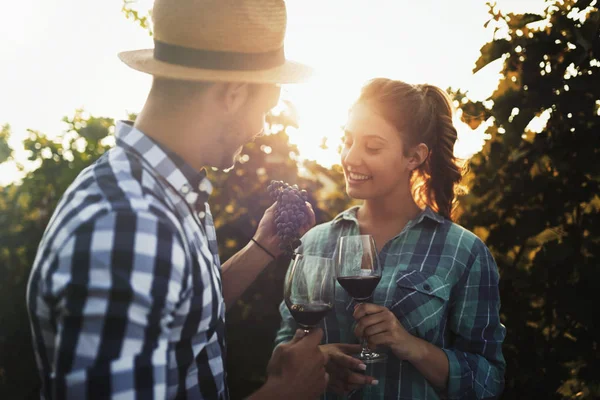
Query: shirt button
191, 197
427, 287
201, 214
185, 189
203, 186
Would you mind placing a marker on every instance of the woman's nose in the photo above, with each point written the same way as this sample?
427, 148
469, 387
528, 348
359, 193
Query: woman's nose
351, 156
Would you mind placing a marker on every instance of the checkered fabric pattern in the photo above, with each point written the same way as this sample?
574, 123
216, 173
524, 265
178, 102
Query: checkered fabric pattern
441, 282
125, 294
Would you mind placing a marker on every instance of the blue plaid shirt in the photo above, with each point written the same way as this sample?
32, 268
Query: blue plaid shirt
125, 294
441, 282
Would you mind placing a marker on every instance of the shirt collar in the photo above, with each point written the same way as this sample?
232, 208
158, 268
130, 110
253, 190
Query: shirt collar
169, 165
350, 215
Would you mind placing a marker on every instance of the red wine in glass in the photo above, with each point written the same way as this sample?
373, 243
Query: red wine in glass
359, 287
309, 289
359, 272
308, 315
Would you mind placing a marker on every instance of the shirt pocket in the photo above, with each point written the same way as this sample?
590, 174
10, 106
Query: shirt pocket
420, 303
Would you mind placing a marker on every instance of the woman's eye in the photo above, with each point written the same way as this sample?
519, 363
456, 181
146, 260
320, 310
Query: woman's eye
373, 149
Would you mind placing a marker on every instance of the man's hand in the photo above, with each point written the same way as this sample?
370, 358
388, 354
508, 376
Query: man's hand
296, 369
342, 368
266, 233
381, 328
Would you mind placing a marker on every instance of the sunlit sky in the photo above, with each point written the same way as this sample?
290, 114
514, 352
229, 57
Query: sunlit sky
57, 56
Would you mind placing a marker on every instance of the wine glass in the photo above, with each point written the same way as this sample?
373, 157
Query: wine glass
309, 289
358, 272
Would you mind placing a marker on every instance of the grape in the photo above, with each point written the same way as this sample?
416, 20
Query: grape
291, 214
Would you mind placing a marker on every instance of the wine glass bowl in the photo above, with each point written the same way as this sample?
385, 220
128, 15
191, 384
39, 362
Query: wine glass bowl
359, 287
358, 271
309, 289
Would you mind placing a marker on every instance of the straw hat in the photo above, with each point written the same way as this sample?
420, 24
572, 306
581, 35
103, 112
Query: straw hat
218, 40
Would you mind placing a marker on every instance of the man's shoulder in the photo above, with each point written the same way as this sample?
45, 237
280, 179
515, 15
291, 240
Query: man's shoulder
114, 184
116, 181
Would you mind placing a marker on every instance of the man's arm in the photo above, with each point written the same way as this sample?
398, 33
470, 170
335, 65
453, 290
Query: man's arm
116, 280
241, 270
244, 266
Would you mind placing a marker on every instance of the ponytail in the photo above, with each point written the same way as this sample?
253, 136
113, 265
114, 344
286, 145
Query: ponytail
440, 173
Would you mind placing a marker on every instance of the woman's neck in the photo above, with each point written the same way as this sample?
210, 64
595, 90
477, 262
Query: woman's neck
388, 212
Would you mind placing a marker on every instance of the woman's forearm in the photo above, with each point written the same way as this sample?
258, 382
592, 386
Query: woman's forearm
431, 362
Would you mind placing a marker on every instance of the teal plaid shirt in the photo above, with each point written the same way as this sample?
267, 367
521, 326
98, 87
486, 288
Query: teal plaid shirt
441, 281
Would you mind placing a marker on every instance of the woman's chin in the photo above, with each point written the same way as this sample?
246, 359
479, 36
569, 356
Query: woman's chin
354, 192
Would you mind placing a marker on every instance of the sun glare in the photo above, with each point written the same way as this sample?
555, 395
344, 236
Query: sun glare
418, 42
322, 107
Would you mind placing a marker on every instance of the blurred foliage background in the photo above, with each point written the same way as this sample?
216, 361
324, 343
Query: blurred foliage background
534, 199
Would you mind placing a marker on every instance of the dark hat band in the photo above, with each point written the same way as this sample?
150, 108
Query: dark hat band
217, 60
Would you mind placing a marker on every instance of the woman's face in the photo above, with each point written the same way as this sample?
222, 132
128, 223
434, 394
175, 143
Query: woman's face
372, 156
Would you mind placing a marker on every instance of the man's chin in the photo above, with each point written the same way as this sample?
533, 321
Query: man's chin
228, 164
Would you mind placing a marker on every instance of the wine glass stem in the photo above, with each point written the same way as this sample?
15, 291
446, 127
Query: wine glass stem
365, 351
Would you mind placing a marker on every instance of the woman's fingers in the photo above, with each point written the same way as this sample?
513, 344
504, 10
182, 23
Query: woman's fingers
346, 361
368, 321
359, 379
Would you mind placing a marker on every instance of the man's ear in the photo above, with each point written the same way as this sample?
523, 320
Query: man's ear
231, 96
417, 156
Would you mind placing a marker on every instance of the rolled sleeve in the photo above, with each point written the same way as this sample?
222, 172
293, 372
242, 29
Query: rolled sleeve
288, 325
476, 363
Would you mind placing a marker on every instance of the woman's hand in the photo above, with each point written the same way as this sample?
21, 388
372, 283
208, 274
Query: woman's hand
381, 328
343, 369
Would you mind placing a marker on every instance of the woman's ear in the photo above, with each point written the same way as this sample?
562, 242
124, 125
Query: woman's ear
417, 156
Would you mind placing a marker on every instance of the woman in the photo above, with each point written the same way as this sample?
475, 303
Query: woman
436, 308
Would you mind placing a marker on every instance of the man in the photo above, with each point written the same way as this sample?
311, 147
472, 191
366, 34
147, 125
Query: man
127, 295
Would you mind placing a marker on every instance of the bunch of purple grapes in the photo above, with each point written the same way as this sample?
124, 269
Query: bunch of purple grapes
291, 214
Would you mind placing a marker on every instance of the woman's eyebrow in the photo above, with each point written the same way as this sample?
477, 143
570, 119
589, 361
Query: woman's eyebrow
376, 137
348, 133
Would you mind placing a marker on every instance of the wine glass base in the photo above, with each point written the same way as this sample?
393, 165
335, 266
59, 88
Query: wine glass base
306, 329
371, 358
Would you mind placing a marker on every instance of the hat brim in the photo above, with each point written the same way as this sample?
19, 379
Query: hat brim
144, 61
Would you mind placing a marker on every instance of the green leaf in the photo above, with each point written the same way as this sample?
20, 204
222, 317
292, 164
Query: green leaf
518, 21
491, 52
5, 150
96, 129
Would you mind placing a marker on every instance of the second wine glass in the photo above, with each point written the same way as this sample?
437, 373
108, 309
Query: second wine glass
358, 272
309, 289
